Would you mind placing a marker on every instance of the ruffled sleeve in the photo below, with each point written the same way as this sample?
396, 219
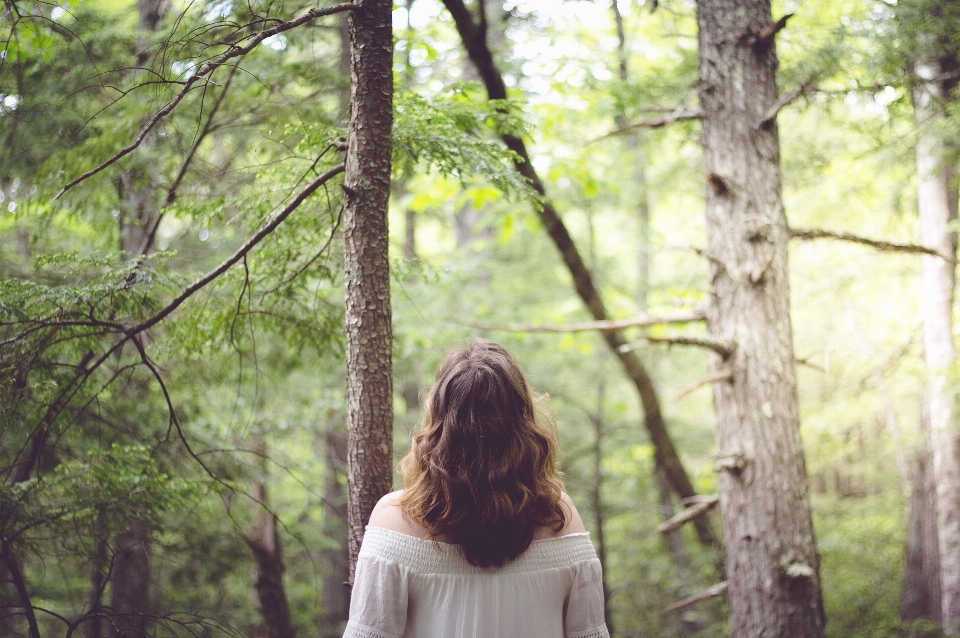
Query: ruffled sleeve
583, 610
378, 602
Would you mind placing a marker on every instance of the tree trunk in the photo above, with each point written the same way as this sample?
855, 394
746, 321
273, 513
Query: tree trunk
474, 40
93, 628
130, 585
771, 559
335, 596
267, 552
937, 208
596, 498
920, 594
366, 267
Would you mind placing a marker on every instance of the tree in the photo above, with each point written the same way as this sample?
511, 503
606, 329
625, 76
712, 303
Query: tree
366, 266
771, 559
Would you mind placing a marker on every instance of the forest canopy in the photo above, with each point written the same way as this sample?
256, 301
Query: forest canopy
236, 239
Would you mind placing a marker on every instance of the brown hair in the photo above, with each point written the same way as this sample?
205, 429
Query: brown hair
481, 470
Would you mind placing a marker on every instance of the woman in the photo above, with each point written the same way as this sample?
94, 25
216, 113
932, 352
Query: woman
482, 542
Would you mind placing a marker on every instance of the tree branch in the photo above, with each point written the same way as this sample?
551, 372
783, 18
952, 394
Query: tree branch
702, 506
709, 592
784, 99
678, 115
205, 70
762, 40
723, 348
804, 234
722, 375
602, 326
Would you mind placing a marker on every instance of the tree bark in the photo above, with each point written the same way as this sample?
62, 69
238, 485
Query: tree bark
366, 267
937, 208
771, 560
93, 627
474, 40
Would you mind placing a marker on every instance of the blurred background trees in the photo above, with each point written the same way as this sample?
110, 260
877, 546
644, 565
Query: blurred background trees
176, 464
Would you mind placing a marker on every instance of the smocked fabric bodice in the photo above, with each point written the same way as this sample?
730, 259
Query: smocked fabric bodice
406, 587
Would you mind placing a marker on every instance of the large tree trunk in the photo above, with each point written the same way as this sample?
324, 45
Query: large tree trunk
474, 40
771, 560
937, 207
366, 267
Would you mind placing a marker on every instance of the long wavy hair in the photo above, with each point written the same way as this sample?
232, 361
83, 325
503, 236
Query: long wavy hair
481, 471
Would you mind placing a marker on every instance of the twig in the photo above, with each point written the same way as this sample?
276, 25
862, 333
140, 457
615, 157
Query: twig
602, 326
704, 505
678, 115
709, 592
786, 98
205, 70
723, 348
722, 375
804, 234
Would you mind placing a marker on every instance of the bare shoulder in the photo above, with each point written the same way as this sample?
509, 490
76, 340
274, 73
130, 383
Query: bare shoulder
388, 515
572, 525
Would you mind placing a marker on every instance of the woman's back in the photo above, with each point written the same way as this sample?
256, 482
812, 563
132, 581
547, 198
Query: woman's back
482, 542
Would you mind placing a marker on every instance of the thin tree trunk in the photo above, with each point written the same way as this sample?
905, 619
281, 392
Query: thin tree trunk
93, 628
335, 596
920, 594
474, 40
596, 498
130, 585
633, 142
771, 559
366, 267
22, 601
937, 208
267, 552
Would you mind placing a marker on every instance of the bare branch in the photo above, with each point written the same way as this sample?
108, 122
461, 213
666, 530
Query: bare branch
703, 505
205, 70
602, 326
709, 592
678, 115
761, 40
723, 348
722, 375
786, 98
804, 234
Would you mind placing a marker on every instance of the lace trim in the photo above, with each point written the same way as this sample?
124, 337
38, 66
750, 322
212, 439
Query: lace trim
598, 632
356, 630
429, 557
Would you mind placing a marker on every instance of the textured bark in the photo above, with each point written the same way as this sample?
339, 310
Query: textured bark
771, 560
130, 584
920, 594
937, 208
335, 596
474, 40
366, 267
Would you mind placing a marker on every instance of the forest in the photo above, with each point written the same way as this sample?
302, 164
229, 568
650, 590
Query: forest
236, 239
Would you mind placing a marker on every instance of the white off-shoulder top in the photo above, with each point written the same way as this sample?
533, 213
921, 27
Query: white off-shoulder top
406, 587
